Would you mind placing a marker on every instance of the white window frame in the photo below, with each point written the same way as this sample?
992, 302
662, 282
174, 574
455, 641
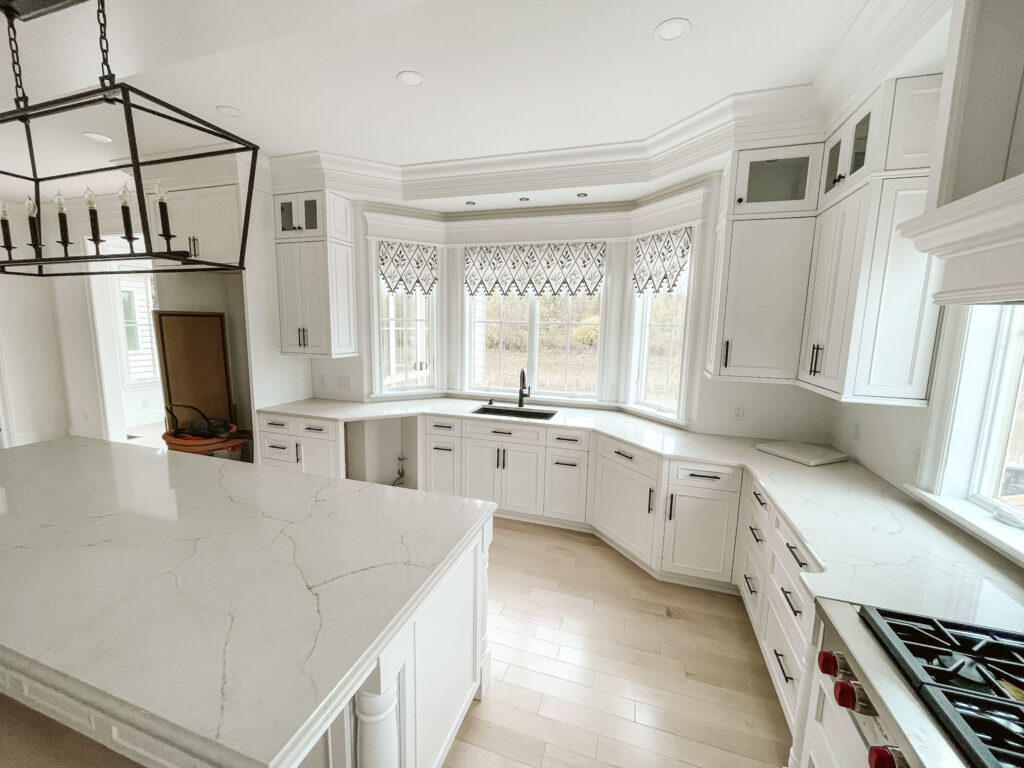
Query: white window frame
641, 334
532, 349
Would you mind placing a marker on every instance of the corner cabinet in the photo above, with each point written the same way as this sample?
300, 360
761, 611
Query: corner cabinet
777, 180
700, 532
764, 291
624, 507
870, 325
316, 295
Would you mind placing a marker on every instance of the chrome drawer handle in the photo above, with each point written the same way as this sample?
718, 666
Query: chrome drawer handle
785, 674
568, 439
278, 447
624, 455
787, 594
753, 532
566, 464
749, 587
705, 477
796, 556
314, 429
439, 448
275, 423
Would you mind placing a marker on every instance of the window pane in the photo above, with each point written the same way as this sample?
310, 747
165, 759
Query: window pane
551, 356
583, 342
132, 333
515, 308
553, 309
656, 369
405, 351
585, 309
1011, 483
513, 354
128, 306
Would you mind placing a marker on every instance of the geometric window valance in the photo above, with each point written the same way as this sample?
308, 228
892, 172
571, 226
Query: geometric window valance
407, 265
660, 259
518, 268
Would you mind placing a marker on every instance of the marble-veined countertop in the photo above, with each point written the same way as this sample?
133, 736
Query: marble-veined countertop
213, 598
877, 545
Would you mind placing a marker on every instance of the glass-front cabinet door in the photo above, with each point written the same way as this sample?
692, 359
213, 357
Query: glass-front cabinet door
854, 151
299, 215
778, 180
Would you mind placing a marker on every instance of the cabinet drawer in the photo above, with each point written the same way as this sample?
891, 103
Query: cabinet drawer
560, 437
316, 428
752, 534
277, 447
751, 583
796, 606
504, 431
272, 422
442, 425
722, 478
785, 664
628, 456
760, 504
790, 550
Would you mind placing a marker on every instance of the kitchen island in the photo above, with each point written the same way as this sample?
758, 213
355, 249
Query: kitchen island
189, 611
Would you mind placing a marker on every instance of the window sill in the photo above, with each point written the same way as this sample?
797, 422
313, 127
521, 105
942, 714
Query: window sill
406, 394
979, 522
653, 414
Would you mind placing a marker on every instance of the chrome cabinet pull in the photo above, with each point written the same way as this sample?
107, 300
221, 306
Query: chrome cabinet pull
624, 455
796, 556
785, 674
749, 587
787, 594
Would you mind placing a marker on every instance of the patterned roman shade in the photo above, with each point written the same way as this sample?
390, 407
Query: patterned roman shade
410, 266
522, 267
661, 258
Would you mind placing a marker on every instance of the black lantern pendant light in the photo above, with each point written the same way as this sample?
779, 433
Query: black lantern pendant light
57, 118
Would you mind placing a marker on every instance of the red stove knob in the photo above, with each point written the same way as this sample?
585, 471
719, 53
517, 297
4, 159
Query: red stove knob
852, 696
886, 757
828, 664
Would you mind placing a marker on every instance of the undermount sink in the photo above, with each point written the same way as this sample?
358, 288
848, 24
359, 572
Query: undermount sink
519, 413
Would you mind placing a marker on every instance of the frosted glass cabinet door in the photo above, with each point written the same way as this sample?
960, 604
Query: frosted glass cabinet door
778, 179
299, 215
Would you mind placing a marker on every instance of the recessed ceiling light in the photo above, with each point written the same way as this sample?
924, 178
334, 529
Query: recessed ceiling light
672, 29
581, 194
102, 138
470, 202
410, 77
524, 199
228, 111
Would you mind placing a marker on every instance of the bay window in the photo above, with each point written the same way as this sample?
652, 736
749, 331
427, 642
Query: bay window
535, 307
407, 277
660, 279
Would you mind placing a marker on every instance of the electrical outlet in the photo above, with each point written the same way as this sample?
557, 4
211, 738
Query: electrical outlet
737, 413
856, 431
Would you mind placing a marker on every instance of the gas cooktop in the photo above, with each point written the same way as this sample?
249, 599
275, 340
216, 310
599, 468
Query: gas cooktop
970, 677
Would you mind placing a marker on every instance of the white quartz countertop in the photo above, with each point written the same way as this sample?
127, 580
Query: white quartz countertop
210, 597
877, 545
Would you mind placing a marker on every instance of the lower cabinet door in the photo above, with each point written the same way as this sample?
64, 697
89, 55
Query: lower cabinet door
565, 492
481, 471
444, 460
700, 532
624, 508
522, 468
318, 457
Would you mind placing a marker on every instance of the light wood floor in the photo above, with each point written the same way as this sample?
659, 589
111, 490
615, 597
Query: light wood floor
595, 664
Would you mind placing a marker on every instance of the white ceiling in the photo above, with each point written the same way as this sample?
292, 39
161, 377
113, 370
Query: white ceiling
502, 76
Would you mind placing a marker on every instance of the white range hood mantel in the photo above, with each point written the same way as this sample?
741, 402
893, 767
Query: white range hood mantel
981, 240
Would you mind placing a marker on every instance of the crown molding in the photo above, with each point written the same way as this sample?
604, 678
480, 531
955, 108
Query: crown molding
876, 41
304, 171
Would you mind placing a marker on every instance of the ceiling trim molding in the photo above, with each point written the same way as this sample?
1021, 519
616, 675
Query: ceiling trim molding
876, 41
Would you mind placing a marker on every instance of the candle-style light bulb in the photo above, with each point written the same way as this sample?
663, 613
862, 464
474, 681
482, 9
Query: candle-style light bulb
90, 198
62, 221
124, 195
5, 229
30, 206
161, 191
3, 209
59, 202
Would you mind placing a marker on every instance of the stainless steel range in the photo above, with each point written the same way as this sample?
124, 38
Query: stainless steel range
923, 692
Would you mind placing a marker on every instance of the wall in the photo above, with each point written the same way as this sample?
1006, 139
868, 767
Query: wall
774, 411
890, 438
78, 356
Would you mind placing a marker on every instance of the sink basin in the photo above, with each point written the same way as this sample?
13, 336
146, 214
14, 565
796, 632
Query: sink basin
519, 413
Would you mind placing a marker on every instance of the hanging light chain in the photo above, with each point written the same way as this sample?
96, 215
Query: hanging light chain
20, 99
106, 75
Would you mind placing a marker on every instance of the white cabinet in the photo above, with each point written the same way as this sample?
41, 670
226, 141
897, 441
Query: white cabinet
205, 222
301, 444
838, 240
317, 457
870, 325
765, 292
509, 474
857, 149
316, 294
565, 484
444, 464
914, 118
624, 507
299, 215
777, 180
700, 532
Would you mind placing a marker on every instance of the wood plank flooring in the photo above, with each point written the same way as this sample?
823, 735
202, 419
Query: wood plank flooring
597, 665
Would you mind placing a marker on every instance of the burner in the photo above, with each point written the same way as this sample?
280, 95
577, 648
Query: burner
994, 732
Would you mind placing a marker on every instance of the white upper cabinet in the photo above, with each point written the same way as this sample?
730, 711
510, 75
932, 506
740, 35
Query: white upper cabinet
870, 326
914, 119
856, 150
316, 298
299, 215
765, 291
205, 222
777, 180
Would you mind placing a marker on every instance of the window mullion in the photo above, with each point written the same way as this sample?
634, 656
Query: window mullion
532, 340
